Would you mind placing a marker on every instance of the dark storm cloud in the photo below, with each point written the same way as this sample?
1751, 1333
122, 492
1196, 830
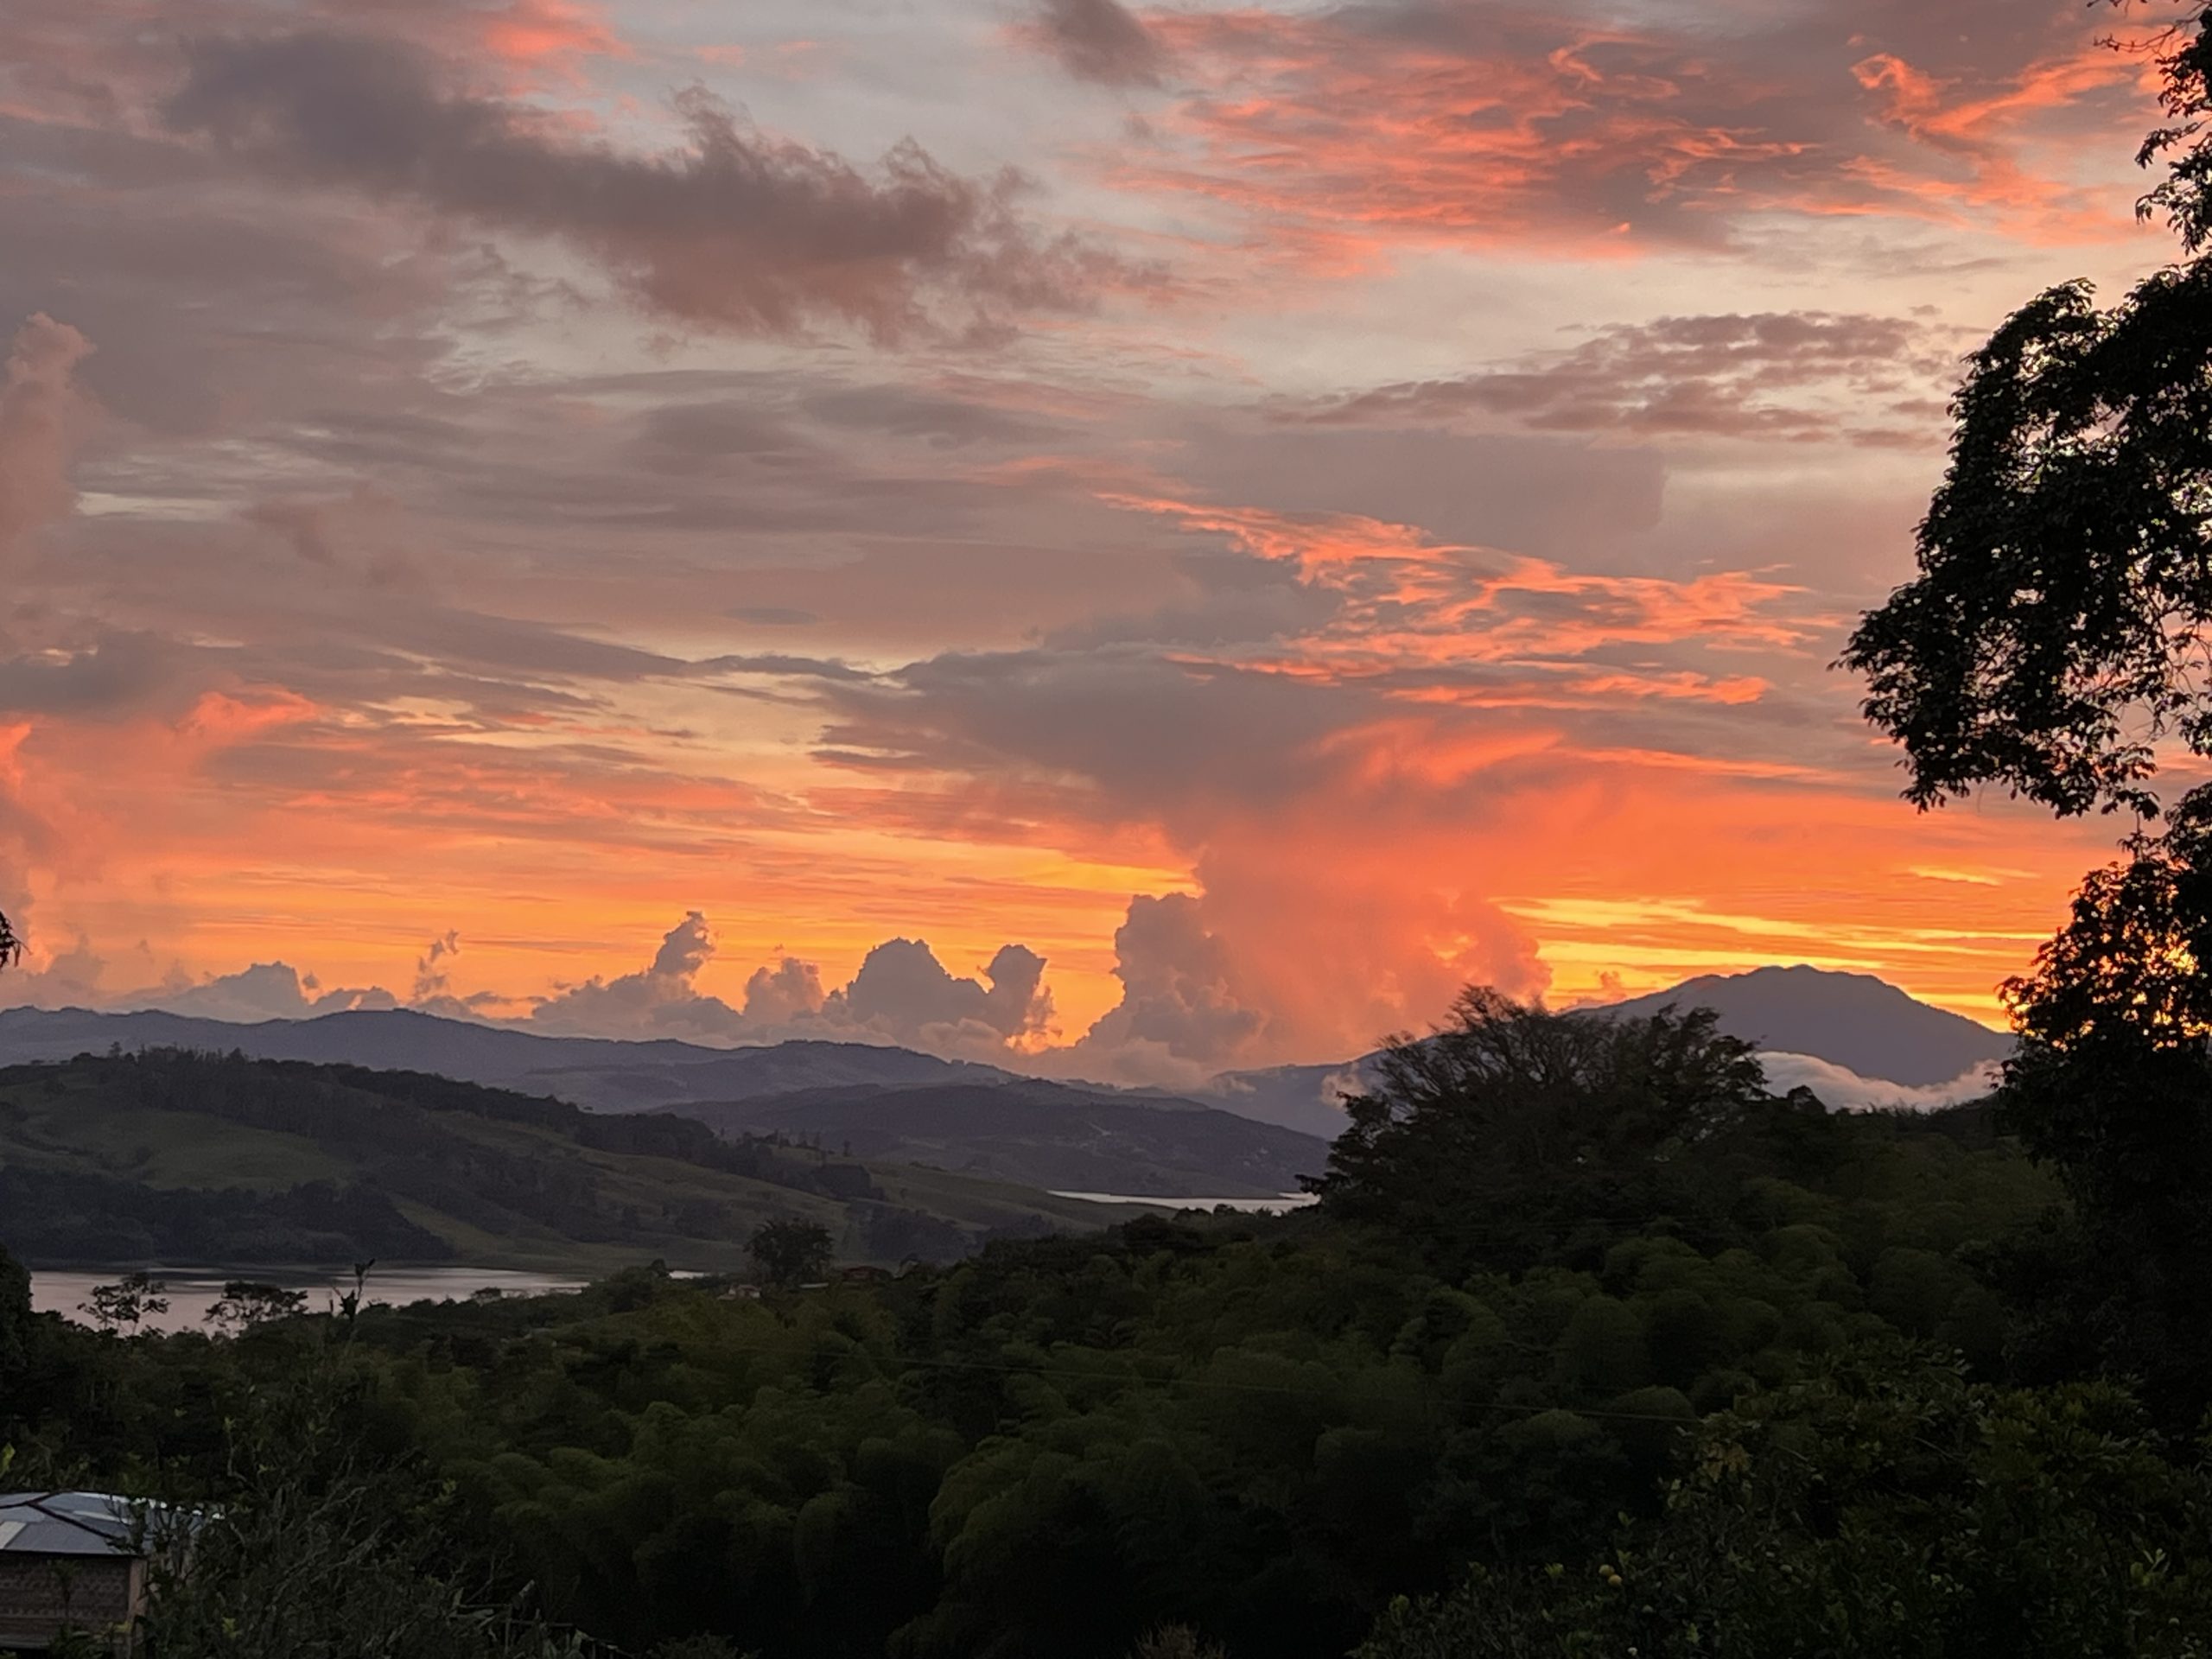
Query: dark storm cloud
1144, 729
735, 231
1100, 40
107, 676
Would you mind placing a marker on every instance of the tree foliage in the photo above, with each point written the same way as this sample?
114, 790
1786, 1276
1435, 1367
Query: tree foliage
2057, 629
791, 1253
2055, 642
126, 1304
1887, 1508
2183, 56
2112, 1082
2060, 624
1514, 1128
1259, 1430
303, 1548
14, 1322
245, 1303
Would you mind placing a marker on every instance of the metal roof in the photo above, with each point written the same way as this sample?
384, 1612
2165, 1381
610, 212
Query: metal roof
65, 1523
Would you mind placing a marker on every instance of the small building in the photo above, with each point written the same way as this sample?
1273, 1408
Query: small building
70, 1560
864, 1275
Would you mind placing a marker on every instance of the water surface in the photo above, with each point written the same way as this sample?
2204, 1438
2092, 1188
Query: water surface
192, 1291
1251, 1206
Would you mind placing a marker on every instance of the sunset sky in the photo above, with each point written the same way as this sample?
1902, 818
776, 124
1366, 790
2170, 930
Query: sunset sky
601, 515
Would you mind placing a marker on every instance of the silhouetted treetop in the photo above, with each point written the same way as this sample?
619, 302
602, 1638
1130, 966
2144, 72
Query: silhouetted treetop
2056, 632
2057, 629
1513, 1122
2185, 196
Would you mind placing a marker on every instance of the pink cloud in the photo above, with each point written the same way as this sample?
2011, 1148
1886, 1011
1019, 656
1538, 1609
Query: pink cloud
43, 417
1353, 129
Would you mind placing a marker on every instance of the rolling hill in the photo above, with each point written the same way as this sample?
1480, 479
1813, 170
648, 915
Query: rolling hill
1045, 1134
185, 1157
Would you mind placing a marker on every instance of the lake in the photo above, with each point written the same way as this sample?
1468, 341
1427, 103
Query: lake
1251, 1206
192, 1291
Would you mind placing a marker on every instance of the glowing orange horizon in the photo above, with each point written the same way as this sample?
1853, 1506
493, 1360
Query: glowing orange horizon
1367, 505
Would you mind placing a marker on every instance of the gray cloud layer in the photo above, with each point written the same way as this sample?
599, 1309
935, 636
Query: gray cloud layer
1101, 40
737, 231
1790, 375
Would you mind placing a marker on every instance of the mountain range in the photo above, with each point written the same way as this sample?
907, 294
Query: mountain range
1855, 1039
600, 1074
903, 1106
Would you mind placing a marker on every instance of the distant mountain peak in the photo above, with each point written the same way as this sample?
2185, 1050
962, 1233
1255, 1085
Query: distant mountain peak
1859, 1022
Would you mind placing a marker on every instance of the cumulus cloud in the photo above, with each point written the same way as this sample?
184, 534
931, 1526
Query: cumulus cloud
1178, 1015
790, 991
43, 416
735, 231
1099, 39
1843, 1089
660, 1000
687, 947
903, 993
430, 973
266, 990
433, 991
65, 979
1294, 950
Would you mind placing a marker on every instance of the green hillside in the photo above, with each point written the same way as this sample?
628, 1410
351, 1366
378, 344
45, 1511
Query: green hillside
190, 1158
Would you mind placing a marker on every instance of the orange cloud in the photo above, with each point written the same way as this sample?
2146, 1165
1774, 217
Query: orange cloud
547, 34
1409, 601
1549, 131
421, 593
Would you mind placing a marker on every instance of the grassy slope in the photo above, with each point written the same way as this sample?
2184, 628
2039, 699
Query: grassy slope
63, 1124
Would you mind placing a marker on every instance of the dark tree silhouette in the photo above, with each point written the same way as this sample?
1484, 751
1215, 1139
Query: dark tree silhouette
2061, 622
791, 1253
2185, 196
245, 1303
2056, 637
128, 1303
2112, 1085
1505, 1134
